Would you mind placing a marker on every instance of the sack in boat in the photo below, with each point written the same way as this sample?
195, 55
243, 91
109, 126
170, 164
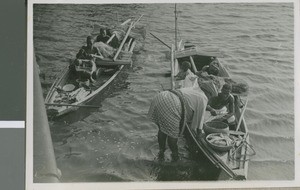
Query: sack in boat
208, 88
238, 87
105, 50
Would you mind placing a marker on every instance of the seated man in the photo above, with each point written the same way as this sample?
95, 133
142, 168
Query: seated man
209, 71
107, 50
84, 64
88, 51
223, 104
208, 80
186, 74
102, 37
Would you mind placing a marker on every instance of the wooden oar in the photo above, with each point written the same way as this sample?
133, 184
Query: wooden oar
83, 106
125, 22
242, 116
110, 39
132, 25
193, 64
137, 20
123, 42
172, 67
160, 40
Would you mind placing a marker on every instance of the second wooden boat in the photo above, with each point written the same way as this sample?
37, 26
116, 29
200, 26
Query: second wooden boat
232, 162
68, 94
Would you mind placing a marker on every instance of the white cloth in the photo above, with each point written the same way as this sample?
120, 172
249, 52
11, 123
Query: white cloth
220, 113
189, 80
196, 107
105, 50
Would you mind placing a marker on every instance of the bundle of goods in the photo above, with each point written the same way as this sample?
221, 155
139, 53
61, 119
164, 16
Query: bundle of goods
240, 88
220, 142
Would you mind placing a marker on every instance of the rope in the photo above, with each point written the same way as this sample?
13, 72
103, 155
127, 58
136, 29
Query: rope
245, 144
183, 109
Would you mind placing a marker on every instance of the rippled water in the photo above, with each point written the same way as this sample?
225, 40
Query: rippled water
117, 142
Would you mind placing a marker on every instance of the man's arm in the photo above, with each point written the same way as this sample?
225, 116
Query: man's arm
97, 53
198, 115
230, 107
210, 109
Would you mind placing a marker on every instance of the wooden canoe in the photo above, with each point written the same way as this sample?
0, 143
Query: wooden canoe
232, 164
67, 93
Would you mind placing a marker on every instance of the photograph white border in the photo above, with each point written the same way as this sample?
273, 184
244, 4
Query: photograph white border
153, 185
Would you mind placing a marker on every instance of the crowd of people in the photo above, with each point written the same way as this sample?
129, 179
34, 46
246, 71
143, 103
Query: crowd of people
172, 110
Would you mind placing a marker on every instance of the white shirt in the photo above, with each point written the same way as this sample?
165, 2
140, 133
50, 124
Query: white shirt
197, 102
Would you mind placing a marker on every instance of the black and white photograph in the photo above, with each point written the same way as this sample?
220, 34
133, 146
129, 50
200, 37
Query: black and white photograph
159, 94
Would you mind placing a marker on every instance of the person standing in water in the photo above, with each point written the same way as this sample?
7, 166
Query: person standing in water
171, 110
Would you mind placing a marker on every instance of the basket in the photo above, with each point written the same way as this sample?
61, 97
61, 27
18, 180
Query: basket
215, 127
222, 138
68, 87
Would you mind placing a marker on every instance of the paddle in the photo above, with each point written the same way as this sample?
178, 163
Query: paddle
125, 22
83, 106
160, 40
132, 25
242, 116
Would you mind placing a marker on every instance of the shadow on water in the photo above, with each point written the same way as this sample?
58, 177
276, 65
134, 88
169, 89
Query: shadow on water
102, 177
192, 166
60, 126
184, 170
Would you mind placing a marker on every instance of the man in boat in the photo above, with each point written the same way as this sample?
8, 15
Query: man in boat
208, 78
223, 104
212, 68
185, 75
106, 49
171, 110
108, 44
84, 64
102, 37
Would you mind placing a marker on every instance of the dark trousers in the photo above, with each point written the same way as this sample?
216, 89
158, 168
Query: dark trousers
172, 143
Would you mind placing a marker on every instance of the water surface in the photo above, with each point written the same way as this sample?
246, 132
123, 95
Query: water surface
117, 142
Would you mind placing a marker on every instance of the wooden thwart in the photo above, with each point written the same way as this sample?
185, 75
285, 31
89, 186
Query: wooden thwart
195, 51
110, 62
83, 106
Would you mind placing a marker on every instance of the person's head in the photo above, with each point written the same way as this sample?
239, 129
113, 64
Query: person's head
77, 62
89, 41
213, 68
102, 32
226, 90
185, 66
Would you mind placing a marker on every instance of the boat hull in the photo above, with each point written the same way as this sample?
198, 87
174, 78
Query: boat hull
101, 84
228, 168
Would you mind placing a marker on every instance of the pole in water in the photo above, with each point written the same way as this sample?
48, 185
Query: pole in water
176, 48
160, 40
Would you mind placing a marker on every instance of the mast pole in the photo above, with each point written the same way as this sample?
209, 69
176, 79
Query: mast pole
176, 47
